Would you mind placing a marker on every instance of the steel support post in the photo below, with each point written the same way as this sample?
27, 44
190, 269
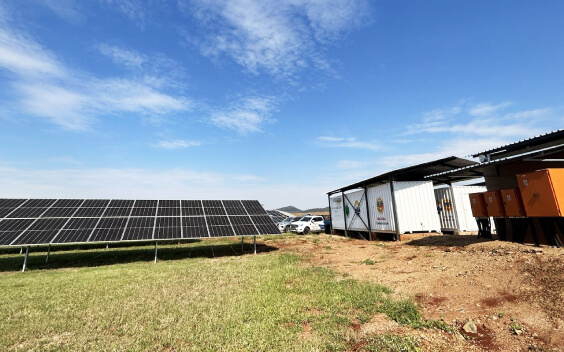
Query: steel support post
255, 244
331, 222
242, 244
156, 248
368, 214
48, 252
344, 212
395, 209
25, 258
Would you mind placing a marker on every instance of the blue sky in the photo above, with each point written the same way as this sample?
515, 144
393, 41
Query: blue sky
279, 101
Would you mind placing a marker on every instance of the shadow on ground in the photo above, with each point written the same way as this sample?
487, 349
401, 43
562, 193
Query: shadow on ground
447, 241
119, 253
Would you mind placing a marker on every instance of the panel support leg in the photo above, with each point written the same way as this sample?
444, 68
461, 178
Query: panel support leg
156, 248
255, 244
25, 258
21, 249
107, 245
48, 252
242, 244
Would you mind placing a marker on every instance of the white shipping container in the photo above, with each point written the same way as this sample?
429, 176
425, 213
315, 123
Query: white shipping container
453, 207
415, 203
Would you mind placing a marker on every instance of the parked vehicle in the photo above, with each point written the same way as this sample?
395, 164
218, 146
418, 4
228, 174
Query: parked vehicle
307, 224
284, 225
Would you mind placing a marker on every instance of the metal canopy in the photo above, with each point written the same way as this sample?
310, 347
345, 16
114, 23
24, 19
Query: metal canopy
419, 173
526, 152
547, 140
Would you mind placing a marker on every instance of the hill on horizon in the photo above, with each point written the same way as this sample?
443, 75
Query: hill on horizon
293, 209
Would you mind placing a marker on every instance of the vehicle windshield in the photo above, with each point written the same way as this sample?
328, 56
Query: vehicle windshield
306, 218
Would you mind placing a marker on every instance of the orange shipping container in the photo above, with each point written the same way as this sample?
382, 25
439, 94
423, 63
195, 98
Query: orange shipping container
478, 204
494, 204
542, 192
513, 202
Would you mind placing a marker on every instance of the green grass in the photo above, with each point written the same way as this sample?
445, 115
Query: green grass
197, 297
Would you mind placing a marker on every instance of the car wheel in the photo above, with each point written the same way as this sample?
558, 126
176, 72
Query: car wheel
306, 230
287, 228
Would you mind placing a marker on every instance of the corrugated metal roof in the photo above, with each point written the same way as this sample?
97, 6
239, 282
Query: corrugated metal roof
414, 173
537, 142
464, 171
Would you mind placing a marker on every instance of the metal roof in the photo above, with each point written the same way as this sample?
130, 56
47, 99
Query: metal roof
418, 173
530, 144
465, 171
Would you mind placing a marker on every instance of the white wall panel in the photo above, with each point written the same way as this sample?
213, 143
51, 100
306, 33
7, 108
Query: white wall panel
417, 212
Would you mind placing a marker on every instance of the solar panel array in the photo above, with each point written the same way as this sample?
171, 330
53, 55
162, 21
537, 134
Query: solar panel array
46, 221
276, 216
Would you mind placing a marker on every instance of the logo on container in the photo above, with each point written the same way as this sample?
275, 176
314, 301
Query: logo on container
380, 205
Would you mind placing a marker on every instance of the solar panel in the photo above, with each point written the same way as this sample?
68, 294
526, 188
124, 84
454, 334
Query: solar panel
11, 203
47, 221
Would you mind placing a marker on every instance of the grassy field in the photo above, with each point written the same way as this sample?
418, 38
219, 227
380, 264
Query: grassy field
197, 297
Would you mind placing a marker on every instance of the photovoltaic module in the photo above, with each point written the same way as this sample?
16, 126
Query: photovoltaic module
25, 222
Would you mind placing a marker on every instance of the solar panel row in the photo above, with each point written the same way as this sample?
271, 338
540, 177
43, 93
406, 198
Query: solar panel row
43, 221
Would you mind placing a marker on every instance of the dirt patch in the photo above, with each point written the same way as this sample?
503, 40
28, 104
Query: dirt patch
455, 278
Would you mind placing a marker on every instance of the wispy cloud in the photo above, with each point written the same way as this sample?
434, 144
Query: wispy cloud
483, 109
351, 142
136, 183
22, 56
279, 38
245, 116
44, 87
353, 164
128, 58
68, 10
172, 144
132, 9
484, 119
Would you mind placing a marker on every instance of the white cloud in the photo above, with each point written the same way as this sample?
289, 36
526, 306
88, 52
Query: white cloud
136, 183
279, 37
351, 142
23, 56
177, 144
133, 9
44, 87
245, 116
484, 120
128, 58
66, 9
353, 164
483, 109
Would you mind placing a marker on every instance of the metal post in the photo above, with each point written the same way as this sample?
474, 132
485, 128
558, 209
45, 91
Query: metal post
330, 214
107, 245
242, 244
255, 244
48, 252
368, 214
25, 258
21, 249
395, 209
156, 248
344, 212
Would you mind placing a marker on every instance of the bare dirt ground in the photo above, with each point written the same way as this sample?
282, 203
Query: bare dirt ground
512, 293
